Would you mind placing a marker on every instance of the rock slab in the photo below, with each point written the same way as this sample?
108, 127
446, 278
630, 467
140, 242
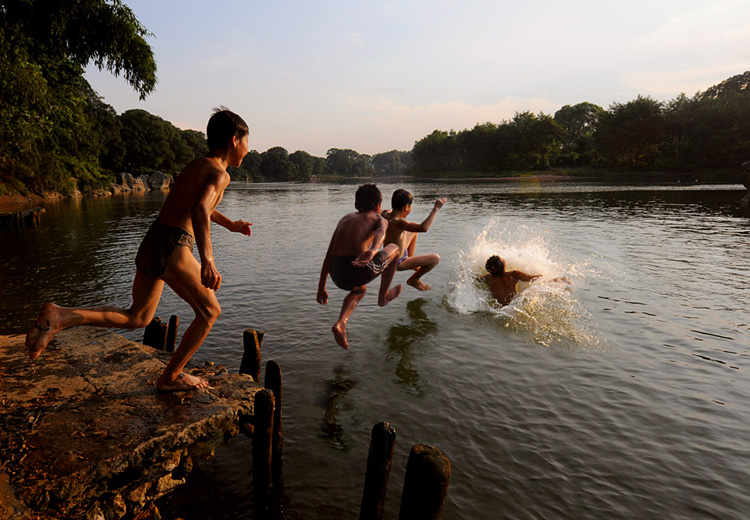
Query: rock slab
84, 433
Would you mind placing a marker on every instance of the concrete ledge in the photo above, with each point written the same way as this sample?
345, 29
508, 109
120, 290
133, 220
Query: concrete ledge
84, 432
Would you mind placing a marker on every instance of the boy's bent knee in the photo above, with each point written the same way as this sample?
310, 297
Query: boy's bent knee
210, 313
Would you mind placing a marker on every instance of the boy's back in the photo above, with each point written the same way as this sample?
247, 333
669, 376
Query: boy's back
354, 232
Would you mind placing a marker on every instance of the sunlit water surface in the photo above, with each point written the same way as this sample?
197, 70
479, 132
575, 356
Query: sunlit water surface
622, 395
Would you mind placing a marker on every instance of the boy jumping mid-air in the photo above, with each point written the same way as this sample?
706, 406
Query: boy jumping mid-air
166, 255
353, 259
404, 234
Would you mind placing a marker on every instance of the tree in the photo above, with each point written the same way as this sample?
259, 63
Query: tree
478, 148
304, 165
436, 153
391, 163
733, 85
151, 143
276, 166
81, 31
53, 130
579, 123
632, 133
348, 163
534, 140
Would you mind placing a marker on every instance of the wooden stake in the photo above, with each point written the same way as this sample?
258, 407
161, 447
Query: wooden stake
251, 358
428, 473
262, 448
155, 334
171, 333
273, 383
378, 468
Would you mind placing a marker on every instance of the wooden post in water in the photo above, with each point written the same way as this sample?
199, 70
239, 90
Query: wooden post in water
155, 334
171, 333
378, 468
262, 440
273, 383
428, 473
251, 357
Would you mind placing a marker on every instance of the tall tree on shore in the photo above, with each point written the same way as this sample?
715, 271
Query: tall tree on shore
579, 123
46, 126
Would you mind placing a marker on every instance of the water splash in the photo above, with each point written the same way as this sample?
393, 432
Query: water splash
544, 311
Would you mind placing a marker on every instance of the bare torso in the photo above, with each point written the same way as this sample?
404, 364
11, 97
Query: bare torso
201, 179
503, 288
397, 234
354, 233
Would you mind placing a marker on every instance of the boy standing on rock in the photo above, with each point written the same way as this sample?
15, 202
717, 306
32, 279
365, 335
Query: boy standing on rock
166, 255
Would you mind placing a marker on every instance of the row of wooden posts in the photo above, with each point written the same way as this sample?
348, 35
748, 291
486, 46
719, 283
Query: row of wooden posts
28, 217
427, 470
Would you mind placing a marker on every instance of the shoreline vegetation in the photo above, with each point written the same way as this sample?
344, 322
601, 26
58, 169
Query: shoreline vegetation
59, 136
20, 202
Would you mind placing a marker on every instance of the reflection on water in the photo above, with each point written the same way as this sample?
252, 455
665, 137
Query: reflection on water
407, 340
335, 403
622, 395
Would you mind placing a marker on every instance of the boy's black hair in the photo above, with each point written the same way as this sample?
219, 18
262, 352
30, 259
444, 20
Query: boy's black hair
495, 266
367, 198
222, 126
400, 199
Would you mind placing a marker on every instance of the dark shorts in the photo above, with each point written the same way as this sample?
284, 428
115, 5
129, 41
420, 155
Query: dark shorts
347, 277
160, 241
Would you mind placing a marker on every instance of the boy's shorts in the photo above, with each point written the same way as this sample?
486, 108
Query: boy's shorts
347, 276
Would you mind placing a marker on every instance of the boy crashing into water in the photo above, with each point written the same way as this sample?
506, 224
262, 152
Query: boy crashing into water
404, 234
353, 258
503, 283
166, 256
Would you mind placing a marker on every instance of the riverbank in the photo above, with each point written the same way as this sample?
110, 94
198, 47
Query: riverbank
18, 202
126, 183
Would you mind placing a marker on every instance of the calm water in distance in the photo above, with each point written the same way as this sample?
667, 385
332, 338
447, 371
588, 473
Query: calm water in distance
624, 395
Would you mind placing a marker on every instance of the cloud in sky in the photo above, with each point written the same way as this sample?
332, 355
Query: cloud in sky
376, 77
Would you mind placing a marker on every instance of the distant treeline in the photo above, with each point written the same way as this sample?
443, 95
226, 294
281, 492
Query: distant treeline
709, 130
57, 134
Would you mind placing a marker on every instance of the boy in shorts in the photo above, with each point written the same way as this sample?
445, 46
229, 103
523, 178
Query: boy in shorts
404, 234
353, 259
166, 256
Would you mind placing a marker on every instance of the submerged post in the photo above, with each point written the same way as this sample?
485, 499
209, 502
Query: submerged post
273, 383
171, 333
378, 468
428, 473
155, 334
262, 447
251, 357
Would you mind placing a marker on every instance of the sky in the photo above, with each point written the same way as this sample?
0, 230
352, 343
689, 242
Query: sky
379, 76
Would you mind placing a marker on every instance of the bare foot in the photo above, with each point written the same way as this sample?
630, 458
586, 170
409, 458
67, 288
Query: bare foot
183, 383
46, 326
339, 333
418, 284
391, 295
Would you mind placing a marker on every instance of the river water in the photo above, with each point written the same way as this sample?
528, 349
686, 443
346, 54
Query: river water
622, 395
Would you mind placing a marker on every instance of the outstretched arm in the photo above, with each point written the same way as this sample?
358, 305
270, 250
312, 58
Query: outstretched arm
238, 226
426, 223
519, 275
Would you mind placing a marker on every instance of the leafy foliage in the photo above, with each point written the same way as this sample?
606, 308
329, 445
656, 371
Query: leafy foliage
709, 130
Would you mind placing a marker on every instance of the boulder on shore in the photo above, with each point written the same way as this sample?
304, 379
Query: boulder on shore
159, 181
